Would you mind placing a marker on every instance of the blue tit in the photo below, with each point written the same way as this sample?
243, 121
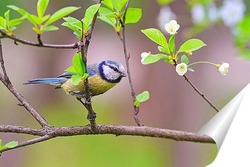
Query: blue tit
102, 77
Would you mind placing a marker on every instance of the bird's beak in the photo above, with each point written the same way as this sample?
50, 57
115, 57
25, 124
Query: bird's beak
123, 74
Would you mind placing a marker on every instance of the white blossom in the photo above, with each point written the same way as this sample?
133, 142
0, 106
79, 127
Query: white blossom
223, 68
143, 56
172, 27
164, 16
232, 11
181, 69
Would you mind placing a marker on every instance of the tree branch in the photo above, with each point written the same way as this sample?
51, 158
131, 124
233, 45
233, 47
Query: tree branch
117, 130
127, 57
26, 42
6, 81
199, 92
84, 52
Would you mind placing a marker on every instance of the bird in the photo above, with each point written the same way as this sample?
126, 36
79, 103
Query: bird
102, 77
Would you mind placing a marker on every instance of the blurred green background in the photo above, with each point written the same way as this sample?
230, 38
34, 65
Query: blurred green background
173, 103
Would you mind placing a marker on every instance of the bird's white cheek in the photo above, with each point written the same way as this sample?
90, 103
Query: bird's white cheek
109, 73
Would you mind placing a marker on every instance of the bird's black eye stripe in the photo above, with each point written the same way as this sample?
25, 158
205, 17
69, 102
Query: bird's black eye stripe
114, 68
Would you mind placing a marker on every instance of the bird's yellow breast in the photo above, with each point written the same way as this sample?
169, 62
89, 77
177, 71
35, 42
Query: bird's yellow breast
96, 85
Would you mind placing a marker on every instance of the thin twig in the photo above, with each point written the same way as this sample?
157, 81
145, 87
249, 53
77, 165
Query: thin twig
199, 92
26, 42
83, 48
122, 37
39, 38
6, 81
117, 130
29, 142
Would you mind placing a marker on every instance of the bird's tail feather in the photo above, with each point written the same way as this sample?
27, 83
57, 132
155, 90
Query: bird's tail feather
50, 81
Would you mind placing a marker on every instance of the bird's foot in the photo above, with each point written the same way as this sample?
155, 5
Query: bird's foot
91, 117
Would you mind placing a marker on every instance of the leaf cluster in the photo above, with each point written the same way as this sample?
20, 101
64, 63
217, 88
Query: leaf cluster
112, 12
82, 27
43, 22
78, 69
9, 25
167, 48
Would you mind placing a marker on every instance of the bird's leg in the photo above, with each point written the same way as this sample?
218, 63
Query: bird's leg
91, 114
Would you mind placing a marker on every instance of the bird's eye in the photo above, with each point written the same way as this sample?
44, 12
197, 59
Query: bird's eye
114, 68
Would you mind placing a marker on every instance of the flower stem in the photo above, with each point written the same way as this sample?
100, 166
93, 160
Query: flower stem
202, 62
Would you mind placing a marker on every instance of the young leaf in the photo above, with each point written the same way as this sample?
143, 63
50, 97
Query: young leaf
76, 79
133, 15
142, 97
7, 16
108, 4
105, 15
115, 5
156, 36
172, 44
11, 144
71, 69
164, 2
184, 59
2, 23
164, 49
50, 28
191, 45
75, 25
89, 15
122, 4
152, 58
60, 14
41, 7
78, 64
15, 22
91, 11
17, 9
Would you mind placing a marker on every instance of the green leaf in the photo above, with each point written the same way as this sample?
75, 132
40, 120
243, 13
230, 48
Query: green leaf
15, 22
41, 7
2, 23
191, 45
50, 28
60, 14
75, 25
89, 15
71, 69
115, 5
2, 147
172, 44
11, 144
7, 16
122, 4
17, 9
133, 15
184, 59
91, 11
76, 79
106, 15
142, 97
152, 58
164, 2
156, 36
164, 49
108, 4
78, 64
35, 20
